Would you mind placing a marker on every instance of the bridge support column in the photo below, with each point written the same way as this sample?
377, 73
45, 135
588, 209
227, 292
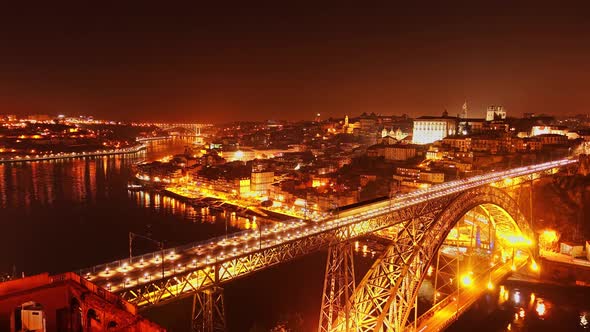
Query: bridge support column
338, 290
209, 311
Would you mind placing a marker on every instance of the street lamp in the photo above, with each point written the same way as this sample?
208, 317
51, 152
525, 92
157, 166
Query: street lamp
160, 244
259, 233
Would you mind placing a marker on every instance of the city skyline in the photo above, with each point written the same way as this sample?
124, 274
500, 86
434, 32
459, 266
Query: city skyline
257, 63
294, 167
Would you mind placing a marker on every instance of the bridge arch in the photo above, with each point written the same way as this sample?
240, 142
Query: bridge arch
386, 295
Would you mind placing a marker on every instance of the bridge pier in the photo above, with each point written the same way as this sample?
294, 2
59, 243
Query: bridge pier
209, 311
339, 285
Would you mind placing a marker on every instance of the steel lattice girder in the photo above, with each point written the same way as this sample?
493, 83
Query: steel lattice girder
209, 311
339, 286
183, 284
384, 298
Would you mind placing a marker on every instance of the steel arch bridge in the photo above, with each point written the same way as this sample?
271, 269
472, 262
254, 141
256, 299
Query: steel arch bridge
194, 128
417, 224
386, 296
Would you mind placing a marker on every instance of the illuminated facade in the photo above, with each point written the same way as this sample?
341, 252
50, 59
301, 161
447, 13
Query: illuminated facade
260, 182
495, 113
543, 130
431, 129
399, 152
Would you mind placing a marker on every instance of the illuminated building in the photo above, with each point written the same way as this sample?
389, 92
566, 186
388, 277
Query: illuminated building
367, 124
397, 134
552, 139
399, 152
542, 130
495, 113
414, 177
432, 177
223, 186
241, 155
429, 129
260, 182
490, 143
468, 126
160, 172
461, 143
39, 117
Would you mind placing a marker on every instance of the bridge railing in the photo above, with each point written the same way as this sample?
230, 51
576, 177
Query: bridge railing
121, 263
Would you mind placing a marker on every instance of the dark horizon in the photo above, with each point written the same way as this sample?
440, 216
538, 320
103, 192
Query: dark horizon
257, 63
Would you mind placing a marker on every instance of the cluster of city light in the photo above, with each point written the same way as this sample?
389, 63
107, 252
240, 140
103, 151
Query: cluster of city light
64, 155
516, 240
191, 189
490, 285
548, 239
147, 178
204, 255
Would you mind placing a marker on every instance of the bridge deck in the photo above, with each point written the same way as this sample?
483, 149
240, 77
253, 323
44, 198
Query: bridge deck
197, 266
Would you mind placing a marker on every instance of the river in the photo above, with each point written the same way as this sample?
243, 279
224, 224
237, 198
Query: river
69, 214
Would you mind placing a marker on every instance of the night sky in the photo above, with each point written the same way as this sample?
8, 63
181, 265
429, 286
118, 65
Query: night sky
257, 62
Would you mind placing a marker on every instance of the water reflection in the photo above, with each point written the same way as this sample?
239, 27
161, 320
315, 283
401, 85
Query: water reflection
72, 207
161, 203
83, 179
519, 306
79, 180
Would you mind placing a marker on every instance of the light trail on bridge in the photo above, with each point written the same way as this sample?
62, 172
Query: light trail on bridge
162, 275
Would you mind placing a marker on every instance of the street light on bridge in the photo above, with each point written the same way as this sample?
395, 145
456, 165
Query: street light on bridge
467, 280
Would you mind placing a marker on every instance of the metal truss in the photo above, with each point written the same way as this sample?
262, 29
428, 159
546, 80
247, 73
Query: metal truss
444, 272
218, 272
394, 276
417, 238
385, 297
209, 311
339, 286
519, 180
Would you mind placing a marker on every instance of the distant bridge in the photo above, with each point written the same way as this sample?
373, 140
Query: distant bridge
458, 234
194, 128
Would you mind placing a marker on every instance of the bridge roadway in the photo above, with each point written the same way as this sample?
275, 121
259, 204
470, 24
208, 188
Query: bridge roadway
199, 266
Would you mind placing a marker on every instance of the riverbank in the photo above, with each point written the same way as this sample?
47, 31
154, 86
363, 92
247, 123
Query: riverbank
556, 273
157, 138
61, 155
216, 202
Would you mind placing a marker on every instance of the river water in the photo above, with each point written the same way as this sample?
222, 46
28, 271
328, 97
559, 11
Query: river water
69, 214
